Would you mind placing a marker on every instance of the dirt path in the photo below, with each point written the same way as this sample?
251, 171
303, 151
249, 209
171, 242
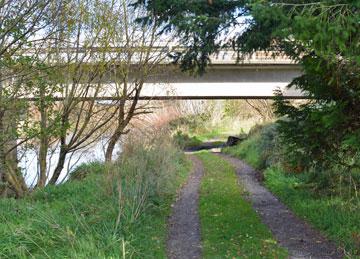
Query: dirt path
299, 238
184, 239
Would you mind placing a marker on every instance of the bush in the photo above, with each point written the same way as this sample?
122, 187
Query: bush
183, 140
260, 149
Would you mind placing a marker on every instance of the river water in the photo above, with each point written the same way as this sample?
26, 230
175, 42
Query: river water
28, 160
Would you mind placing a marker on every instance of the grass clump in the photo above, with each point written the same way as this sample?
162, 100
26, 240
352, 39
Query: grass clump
248, 150
117, 212
230, 227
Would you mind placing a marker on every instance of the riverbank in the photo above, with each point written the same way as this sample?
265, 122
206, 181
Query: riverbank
109, 210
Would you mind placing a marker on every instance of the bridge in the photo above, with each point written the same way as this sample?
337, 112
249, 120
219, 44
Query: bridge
255, 77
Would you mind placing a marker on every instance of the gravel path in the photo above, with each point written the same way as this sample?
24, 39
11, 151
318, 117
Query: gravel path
184, 239
298, 237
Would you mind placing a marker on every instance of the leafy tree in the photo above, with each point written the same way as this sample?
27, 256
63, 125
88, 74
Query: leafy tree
200, 26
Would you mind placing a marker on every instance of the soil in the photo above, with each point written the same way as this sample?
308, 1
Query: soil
184, 237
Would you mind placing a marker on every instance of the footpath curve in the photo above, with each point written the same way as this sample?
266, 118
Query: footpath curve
301, 240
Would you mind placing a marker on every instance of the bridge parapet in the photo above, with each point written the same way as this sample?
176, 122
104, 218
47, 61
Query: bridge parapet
117, 54
259, 57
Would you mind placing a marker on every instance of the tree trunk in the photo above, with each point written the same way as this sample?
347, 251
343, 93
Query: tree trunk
111, 146
2, 157
113, 140
43, 144
2, 142
59, 166
42, 161
11, 179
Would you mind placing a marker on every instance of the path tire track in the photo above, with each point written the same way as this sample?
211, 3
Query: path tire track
184, 238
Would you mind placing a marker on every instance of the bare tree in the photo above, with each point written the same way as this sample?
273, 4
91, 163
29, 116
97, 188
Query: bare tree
85, 47
263, 108
138, 57
62, 54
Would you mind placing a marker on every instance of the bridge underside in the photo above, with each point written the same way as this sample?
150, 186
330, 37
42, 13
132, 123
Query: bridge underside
224, 82
164, 98
236, 81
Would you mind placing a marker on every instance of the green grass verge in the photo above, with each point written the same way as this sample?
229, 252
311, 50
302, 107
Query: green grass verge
230, 227
78, 219
336, 218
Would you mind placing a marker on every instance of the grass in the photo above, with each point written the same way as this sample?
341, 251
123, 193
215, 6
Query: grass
119, 211
230, 227
336, 217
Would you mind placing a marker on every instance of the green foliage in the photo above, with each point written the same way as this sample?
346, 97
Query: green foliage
248, 150
119, 210
84, 170
199, 25
183, 140
260, 149
337, 218
264, 148
230, 227
192, 123
323, 38
219, 120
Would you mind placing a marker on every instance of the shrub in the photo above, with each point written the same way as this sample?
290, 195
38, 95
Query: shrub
261, 148
183, 140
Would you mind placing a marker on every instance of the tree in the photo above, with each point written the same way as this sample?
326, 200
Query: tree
82, 54
329, 53
19, 31
137, 56
201, 26
56, 60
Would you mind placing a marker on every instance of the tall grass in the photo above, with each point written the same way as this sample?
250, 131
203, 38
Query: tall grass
112, 211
